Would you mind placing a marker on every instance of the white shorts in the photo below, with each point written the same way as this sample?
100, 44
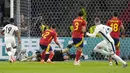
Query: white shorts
10, 42
109, 46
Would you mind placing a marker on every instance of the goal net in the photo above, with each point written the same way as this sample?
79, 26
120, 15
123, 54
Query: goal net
34, 13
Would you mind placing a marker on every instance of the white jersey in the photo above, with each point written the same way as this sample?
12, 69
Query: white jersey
9, 30
104, 31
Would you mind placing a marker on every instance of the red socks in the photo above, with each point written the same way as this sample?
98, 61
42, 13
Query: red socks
51, 55
43, 54
118, 52
78, 54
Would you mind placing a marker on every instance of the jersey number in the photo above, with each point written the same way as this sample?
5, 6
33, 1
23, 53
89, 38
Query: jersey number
46, 34
76, 26
114, 27
8, 29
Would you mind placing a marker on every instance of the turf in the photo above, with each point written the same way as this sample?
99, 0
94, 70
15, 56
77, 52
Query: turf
62, 67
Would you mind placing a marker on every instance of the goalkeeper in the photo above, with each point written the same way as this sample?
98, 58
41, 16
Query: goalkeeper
43, 27
91, 30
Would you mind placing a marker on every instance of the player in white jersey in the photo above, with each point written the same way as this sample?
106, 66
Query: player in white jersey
9, 32
107, 43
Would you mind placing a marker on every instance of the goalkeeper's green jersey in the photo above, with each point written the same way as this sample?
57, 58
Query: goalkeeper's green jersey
43, 27
91, 30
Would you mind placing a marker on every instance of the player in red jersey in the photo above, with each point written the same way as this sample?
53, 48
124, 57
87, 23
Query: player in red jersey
79, 25
45, 41
116, 25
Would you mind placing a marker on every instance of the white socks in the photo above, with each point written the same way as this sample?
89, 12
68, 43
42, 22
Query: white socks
13, 51
102, 51
118, 59
9, 53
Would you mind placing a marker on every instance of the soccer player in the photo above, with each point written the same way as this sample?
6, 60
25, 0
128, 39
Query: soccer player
92, 28
9, 32
107, 43
116, 25
45, 41
79, 25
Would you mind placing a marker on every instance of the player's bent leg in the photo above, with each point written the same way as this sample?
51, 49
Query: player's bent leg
117, 46
78, 55
101, 50
113, 50
50, 57
78, 42
119, 59
11, 58
118, 50
9, 51
110, 61
14, 50
68, 48
77, 62
43, 47
43, 56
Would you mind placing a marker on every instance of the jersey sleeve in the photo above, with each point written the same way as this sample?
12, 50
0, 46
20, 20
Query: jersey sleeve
4, 28
16, 28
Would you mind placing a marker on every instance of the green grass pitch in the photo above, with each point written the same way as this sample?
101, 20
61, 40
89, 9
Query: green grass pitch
62, 67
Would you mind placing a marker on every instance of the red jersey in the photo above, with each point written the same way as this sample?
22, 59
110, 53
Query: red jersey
115, 24
78, 23
47, 36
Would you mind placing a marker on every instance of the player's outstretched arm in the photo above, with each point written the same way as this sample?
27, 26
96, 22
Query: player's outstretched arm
93, 34
68, 48
57, 43
90, 35
84, 26
83, 29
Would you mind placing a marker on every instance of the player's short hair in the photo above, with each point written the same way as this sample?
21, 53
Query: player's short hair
11, 20
96, 20
80, 13
53, 26
115, 14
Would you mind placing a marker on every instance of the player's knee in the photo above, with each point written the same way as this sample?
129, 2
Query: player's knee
98, 47
52, 52
113, 55
79, 48
8, 49
95, 49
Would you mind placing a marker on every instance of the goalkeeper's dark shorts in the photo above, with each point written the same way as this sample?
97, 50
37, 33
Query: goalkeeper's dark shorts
78, 42
47, 48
